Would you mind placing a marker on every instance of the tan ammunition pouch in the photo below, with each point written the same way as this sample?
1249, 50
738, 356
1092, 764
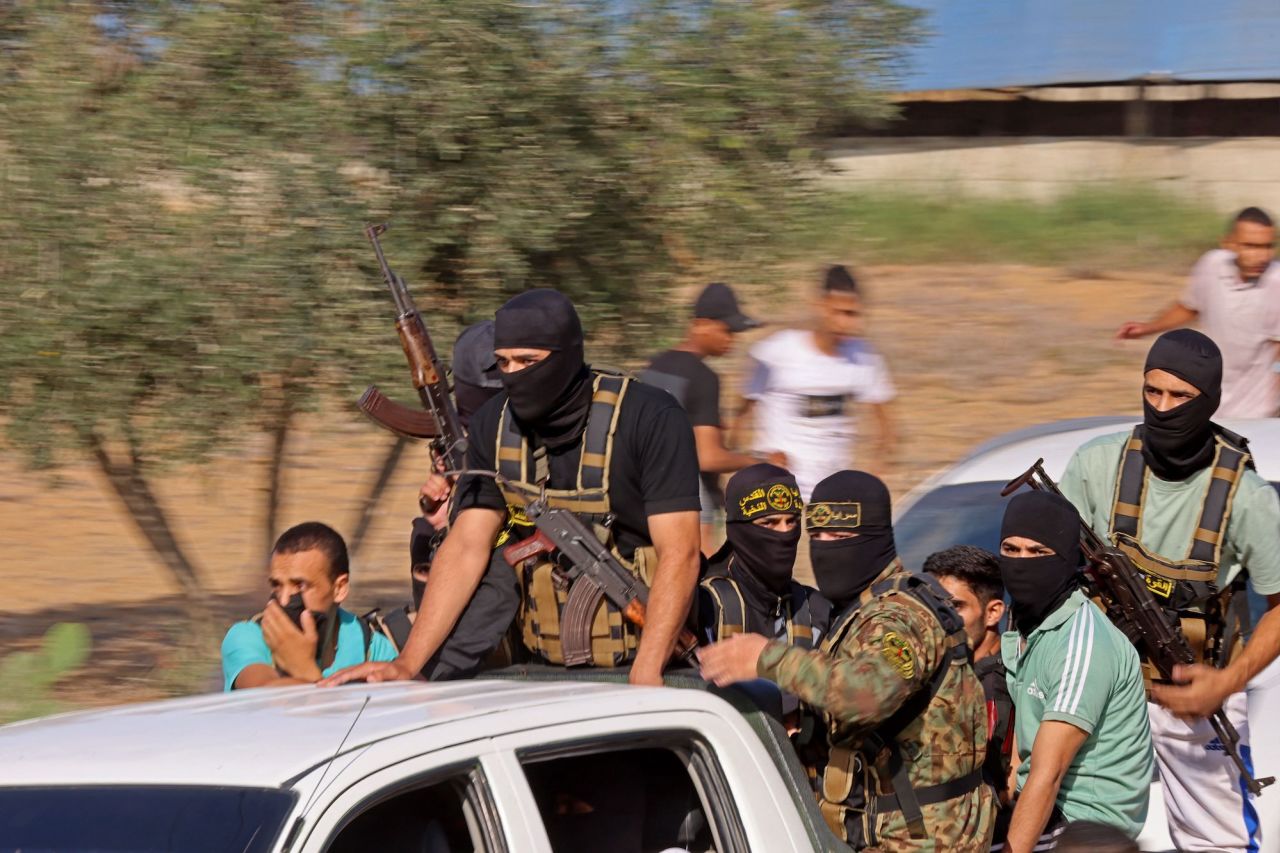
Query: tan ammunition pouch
853, 793
545, 590
1187, 588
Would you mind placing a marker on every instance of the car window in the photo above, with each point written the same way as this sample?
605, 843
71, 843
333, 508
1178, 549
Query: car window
963, 514
450, 815
638, 798
137, 817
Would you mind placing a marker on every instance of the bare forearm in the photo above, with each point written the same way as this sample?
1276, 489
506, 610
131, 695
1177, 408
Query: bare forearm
1172, 317
1261, 650
669, 600
455, 573
1031, 813
719, 460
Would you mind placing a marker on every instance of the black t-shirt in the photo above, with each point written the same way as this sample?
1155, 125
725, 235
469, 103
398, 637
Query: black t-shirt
684, 376
654, 469
991, 672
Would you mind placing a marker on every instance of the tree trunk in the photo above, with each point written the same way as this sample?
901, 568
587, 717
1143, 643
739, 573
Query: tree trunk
131, 487
389, 463
275, 478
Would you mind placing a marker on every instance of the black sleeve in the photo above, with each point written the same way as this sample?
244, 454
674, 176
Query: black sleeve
703, 402
667, 458
483, 492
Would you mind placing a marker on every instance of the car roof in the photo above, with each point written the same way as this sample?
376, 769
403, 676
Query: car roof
271, 736
1008, 455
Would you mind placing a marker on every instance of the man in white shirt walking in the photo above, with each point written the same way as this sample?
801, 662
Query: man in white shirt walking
804, 384
1234, 293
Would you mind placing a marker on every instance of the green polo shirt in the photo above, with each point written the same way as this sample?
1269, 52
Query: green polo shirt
1078, 668
1171, 509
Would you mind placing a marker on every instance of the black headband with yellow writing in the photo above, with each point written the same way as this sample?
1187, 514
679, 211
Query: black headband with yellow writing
760, 490
833, 515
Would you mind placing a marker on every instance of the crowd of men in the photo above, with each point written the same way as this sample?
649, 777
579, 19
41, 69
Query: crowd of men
980, 701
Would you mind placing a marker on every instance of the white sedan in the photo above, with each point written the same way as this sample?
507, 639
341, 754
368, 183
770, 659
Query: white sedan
962, 506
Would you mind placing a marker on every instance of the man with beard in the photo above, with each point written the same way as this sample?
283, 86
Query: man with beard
1080, 721
1178, 495
749, 586
904, 711
620, 454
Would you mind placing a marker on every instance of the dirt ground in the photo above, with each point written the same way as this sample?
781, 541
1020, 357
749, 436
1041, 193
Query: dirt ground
974, 350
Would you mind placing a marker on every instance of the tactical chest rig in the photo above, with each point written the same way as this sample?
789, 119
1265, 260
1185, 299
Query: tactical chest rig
544, 591
731, 611
1188, 588
853, 793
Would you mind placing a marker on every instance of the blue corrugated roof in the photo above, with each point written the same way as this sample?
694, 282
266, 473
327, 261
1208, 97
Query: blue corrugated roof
978, 44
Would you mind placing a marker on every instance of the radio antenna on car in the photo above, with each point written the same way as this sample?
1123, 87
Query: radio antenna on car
296, 829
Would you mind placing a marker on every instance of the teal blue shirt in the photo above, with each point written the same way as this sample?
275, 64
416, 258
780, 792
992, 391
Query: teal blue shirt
1077, 668
244, 646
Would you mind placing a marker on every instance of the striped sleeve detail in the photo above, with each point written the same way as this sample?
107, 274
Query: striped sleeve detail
1075, 668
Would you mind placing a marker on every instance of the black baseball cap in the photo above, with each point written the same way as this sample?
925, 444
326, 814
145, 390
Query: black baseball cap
717, 302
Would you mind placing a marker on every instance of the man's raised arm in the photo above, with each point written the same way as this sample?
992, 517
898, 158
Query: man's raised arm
455, 573
676, 539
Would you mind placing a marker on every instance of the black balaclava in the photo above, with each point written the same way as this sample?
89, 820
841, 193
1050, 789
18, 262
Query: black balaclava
767, 556
1179, 442
1039, 585
475, 370
858, 502
551, 398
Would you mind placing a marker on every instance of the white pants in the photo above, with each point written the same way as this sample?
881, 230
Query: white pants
1264, 709
1204, 794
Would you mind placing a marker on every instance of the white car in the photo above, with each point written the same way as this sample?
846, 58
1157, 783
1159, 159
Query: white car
483, 765
962, 506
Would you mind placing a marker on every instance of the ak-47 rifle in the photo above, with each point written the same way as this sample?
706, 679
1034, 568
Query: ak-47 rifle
439, 420
1112, 577
593, 573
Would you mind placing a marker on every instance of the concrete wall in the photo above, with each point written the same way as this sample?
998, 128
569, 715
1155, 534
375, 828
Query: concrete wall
1225, 174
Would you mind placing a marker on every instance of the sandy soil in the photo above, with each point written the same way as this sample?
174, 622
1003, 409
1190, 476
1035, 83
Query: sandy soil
975, 351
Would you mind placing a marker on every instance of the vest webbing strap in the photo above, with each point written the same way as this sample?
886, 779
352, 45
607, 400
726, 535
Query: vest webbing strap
590, 495
731, 611
1229, 463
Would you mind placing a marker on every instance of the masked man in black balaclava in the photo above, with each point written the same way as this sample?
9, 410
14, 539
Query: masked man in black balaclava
749, 585
618, 453
1076, 682
892, 680
1179, 496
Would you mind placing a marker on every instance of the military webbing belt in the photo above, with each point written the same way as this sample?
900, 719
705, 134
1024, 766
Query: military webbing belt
731, 612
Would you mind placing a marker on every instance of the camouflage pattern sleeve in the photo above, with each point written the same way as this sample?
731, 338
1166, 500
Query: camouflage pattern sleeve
885, 657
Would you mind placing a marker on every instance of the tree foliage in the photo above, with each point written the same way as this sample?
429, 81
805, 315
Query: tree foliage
184, 185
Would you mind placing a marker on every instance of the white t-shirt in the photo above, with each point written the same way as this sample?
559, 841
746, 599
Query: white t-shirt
1243, 319
805, 400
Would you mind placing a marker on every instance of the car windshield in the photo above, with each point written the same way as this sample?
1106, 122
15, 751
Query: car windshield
963, 514
141, 818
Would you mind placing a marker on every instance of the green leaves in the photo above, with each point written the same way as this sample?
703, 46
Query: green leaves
31, 676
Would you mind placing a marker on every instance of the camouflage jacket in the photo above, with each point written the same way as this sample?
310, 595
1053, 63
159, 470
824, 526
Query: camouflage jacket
864, 672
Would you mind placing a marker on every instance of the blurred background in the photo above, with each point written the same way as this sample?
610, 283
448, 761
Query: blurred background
188, 307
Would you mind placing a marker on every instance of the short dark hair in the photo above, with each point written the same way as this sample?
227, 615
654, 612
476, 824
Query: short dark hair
976, 566
314, 536
838, 279
1256, 215
1086, 836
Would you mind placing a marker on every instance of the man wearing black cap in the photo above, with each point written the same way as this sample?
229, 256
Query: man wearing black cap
619, 453
1080, 717
749, 586
1179, 495
892, 678
683, 372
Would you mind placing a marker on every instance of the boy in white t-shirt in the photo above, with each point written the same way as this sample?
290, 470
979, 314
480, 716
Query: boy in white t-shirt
1234, 293
804, 384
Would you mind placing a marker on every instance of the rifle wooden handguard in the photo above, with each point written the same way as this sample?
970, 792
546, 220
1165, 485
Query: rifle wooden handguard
400, 419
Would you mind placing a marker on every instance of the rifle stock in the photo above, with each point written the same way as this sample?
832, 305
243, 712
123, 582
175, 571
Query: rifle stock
1111, 576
